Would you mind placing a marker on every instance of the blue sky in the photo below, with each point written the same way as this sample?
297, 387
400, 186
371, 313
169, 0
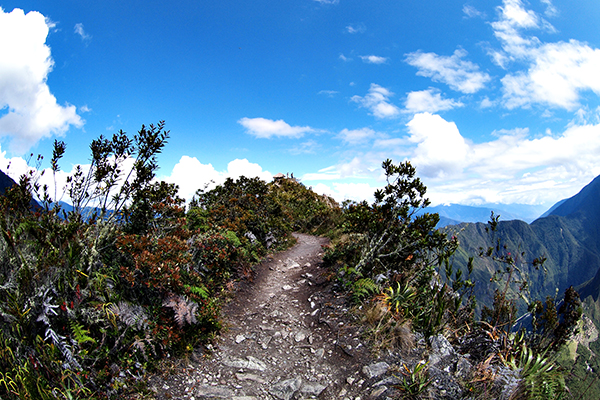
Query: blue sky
492, 101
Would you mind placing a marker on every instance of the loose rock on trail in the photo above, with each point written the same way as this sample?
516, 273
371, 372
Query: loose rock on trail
288, 337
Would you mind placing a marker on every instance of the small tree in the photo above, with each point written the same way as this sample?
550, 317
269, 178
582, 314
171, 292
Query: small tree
396, 240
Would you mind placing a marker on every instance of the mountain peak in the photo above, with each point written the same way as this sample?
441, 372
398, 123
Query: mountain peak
586, 199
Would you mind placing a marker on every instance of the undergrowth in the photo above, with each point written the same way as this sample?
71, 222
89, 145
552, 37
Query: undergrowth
95, 297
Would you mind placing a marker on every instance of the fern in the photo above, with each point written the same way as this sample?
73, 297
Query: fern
185, 310
197, 290
81, 334
364, 288
47, 309
60, 342
130, 315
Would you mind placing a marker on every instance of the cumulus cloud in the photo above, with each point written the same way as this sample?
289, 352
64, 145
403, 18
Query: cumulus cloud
440, 150
267, 128
373, 59
513, 19
25, 62
377, 101
190, 174
556, 74
429, 100
515, 166
460, 75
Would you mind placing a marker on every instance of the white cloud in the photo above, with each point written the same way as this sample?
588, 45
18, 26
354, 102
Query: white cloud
486, 103
190, 174
266, 128
515, 166
346, 191
357, 136
374, 59
514, 19
81, 32
551, 10
328, 1
359, 28
556, 74
514, 14
429, 100
377, 101
308, 147
344, 58
328, 93
441, 150
25, 62
460, 75
472, 12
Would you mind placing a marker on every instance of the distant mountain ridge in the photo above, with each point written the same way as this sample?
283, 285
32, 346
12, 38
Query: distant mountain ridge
454, 214
568, 236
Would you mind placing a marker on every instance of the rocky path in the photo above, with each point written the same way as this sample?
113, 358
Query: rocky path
288, 337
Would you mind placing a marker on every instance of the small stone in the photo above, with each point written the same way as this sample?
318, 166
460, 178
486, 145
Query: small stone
350, 380
285, 390
265, 342
320, 352
249, 377
312, 389
390, 380
239, 339
375, 370
215, 392
300, 336
250, 363
378, 391
286, 287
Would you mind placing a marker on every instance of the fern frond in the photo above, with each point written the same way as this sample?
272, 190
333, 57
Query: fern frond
197, 290
81, 334
184, 309
60, 342
130, 315
47, 309
364, 288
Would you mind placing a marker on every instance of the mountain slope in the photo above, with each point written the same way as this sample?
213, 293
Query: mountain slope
569, 239
6, 182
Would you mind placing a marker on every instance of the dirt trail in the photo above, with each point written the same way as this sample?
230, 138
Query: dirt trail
288, 338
